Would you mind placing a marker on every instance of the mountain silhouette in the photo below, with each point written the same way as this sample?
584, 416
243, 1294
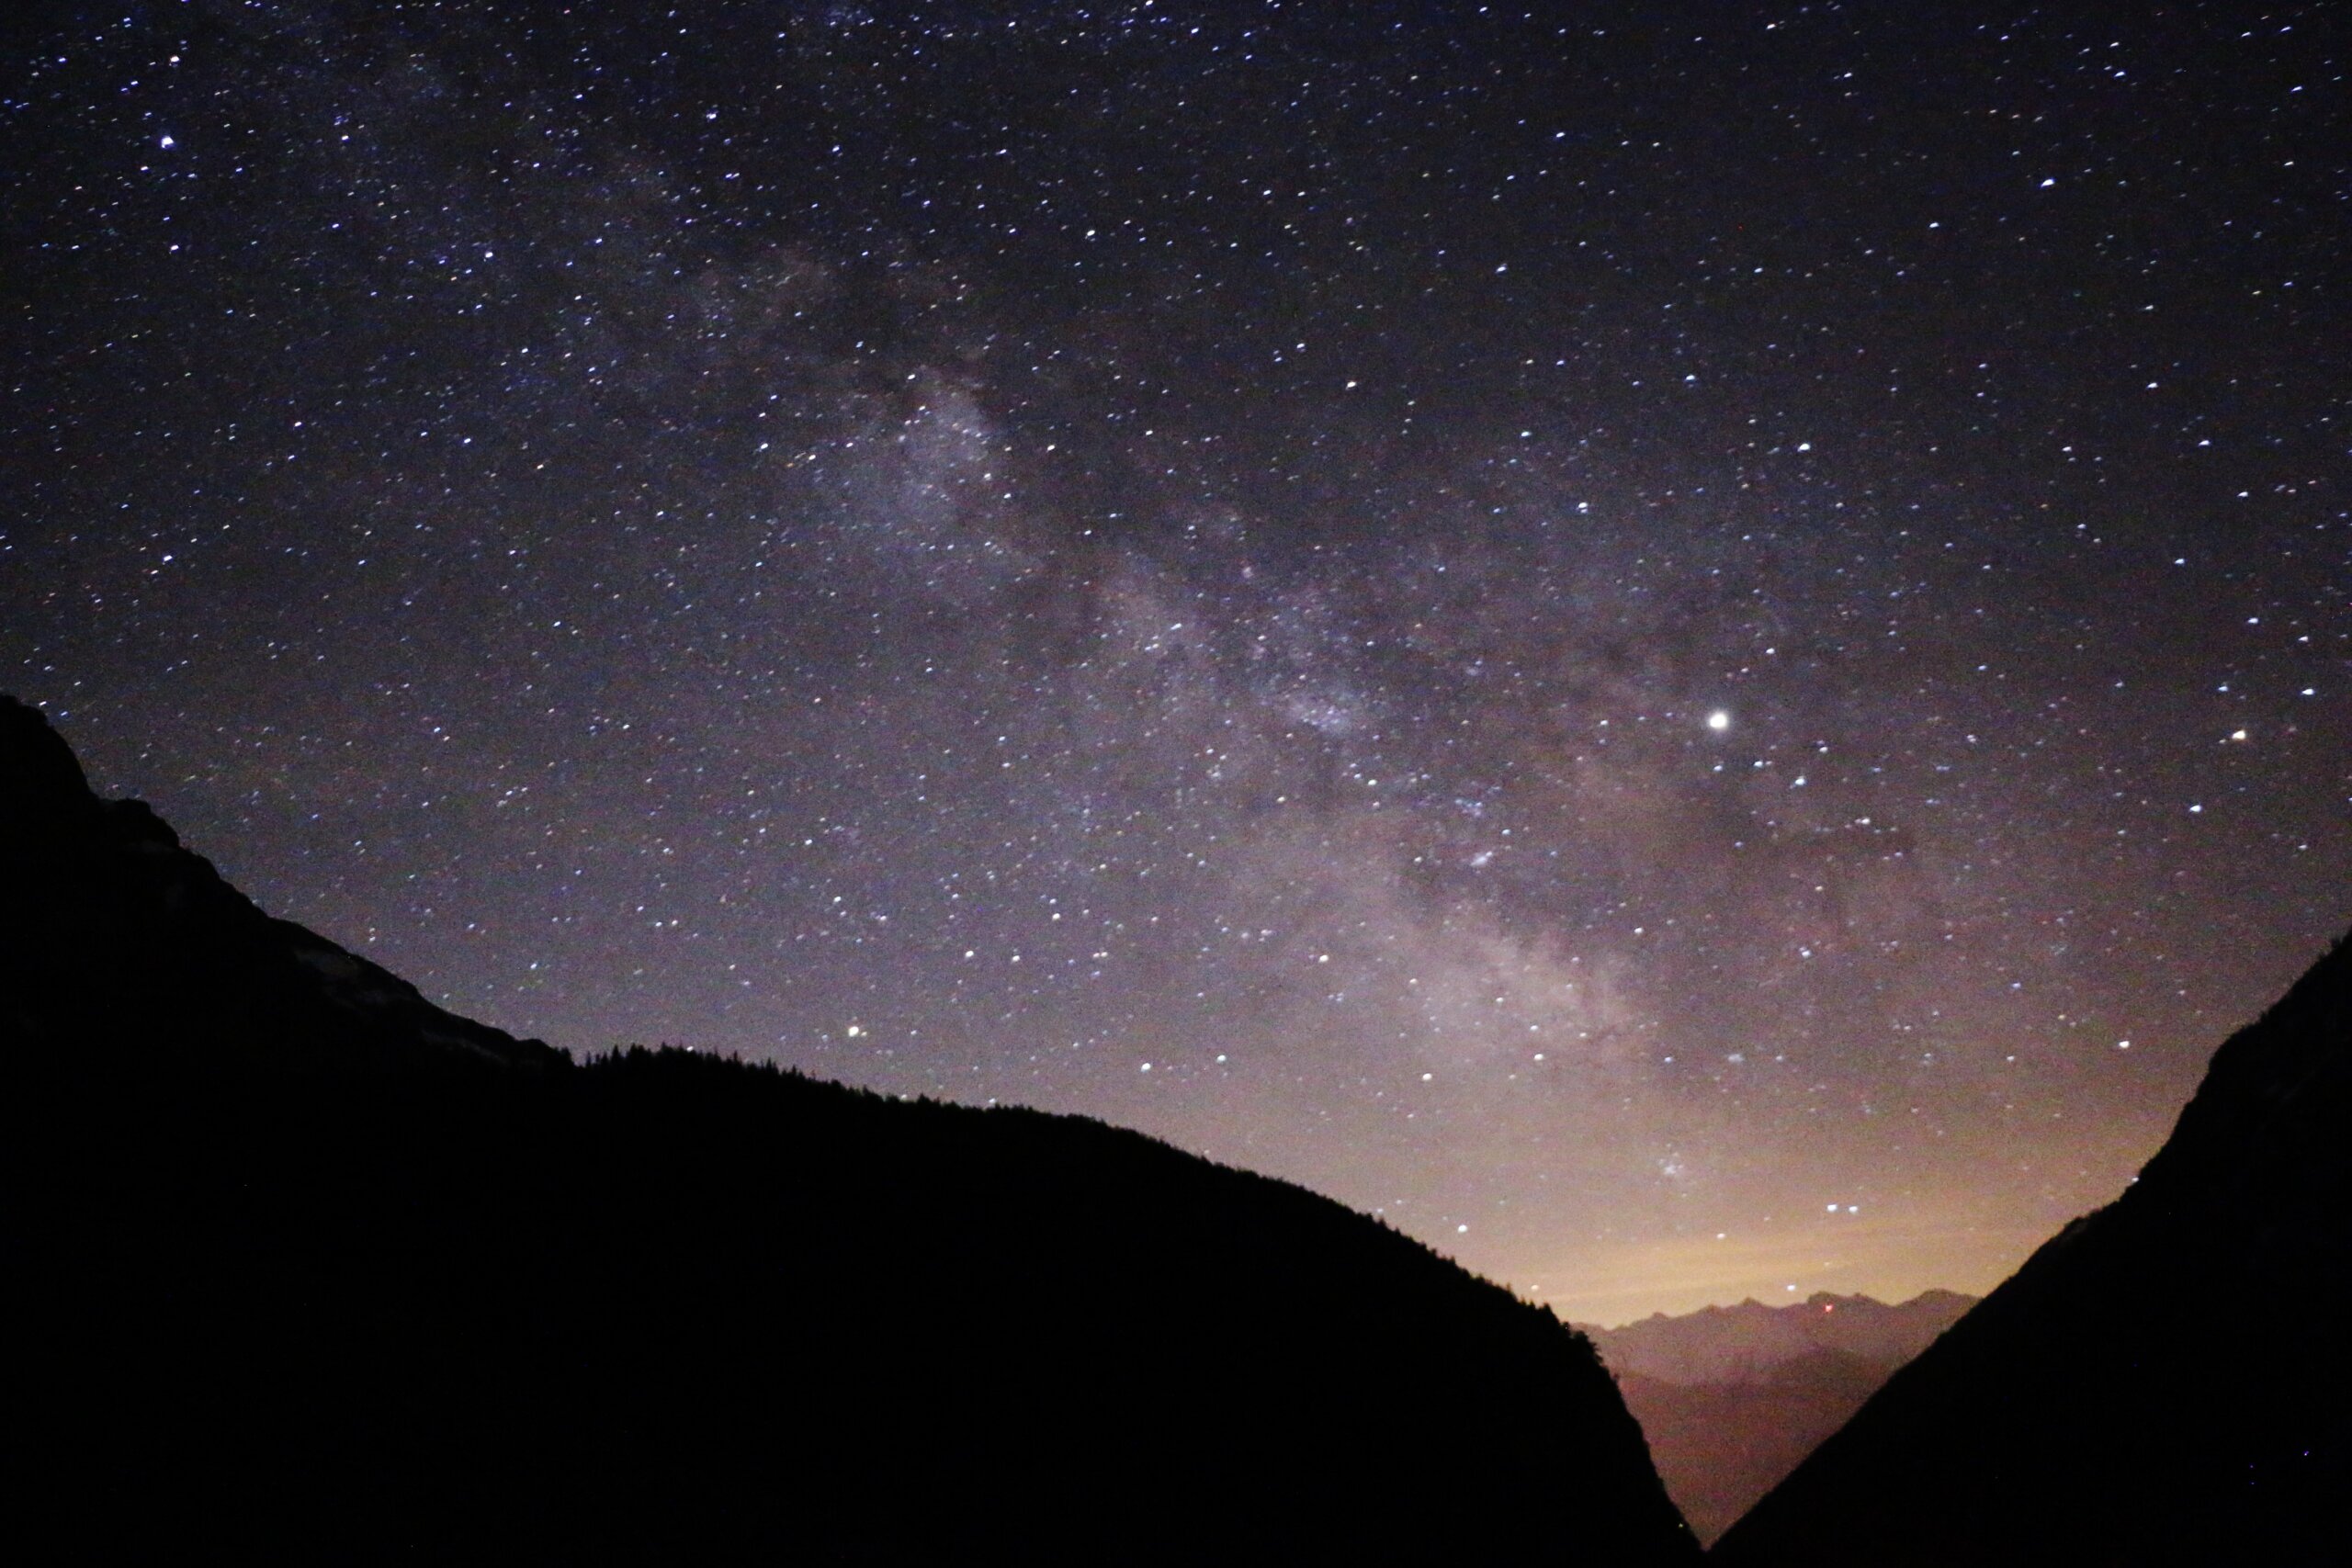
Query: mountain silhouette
307, 1269
2166, 1381
1732, 1398
1745, 1343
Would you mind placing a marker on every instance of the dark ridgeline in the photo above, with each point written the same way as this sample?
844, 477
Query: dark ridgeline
308, 1268
2167, 1381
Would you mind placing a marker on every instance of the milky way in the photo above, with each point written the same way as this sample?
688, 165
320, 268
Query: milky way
1695, 650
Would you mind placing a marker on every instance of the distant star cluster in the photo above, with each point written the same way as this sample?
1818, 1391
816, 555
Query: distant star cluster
1697, 651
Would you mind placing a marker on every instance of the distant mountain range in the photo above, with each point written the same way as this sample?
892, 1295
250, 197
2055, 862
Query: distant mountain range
2166, 1381
305, 1269
1746, 1343
1731, 1398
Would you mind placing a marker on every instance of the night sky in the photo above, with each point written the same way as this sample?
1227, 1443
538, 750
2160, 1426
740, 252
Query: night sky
1698, 650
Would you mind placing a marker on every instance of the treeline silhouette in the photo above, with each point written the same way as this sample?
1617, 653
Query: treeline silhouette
311, 1269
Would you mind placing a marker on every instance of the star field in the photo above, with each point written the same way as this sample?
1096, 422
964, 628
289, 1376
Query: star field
1695, 650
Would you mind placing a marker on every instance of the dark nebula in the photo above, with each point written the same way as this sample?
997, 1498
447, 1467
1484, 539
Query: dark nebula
1697, 651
